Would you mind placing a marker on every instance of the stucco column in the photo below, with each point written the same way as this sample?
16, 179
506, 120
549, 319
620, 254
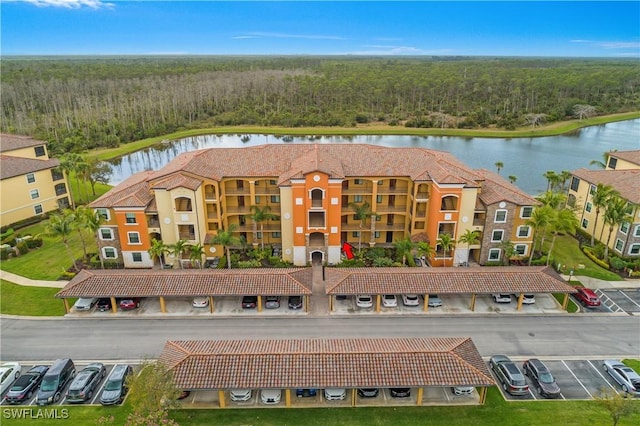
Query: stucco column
306, 302
114, 305
163, 307
221, 400
378, 297
331, 303
65, 302
565, 301
473, 302
353, 397
211, 308
426, 302
287, 398
259, 303
520, 298
483, 395
419, 398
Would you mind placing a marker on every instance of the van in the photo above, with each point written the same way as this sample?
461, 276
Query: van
115, 388
53, 383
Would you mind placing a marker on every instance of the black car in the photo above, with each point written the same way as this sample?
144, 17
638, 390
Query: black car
400, 392
104, 304
249, 302
86, 383
368, 392
26, 385
542, 378
295, 302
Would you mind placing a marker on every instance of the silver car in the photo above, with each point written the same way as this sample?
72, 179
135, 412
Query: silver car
625, 376
85, 303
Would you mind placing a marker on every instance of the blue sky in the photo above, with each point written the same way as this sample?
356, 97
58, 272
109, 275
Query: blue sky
500, 28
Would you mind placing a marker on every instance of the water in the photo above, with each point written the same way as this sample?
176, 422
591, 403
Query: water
526, 158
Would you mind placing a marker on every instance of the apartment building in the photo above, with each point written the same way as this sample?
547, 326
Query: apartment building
313, 189
31, 183
622, 173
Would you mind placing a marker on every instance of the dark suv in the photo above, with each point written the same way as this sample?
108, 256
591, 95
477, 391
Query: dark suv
509, 375
85, 383
54, 381
116, 387
541, 377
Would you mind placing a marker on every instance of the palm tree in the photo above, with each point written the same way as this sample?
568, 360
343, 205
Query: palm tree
404, 247
446, 243
259, 215
600, 198
508, 250
499, 165
92, 221
361, 213
539, 221
158, 249
554, 200
196, 252
425, 249
618, 211
561, 222
225, 238
61, 225
469, 238
564, 177
69, 163
553, 179
513, 178
602, 164
178, 248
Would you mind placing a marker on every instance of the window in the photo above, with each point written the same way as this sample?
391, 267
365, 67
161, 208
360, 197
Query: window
575, 183
31, 178
257, 199
106, 234
634, 249
34, 194
524, 231
56, 174
592, 189
494, 254
521, 249
134, 237
497, 235
501, 216
357, 198
525, 212
109, 253
130, 218
276, 234
613, 162
588, 207
61, 189
37, 209
39, 150
356, 234
619, 245
188, 232
585, 223
636, 231
378, 199
275, 198
259, 235
624, 227
380, 182
358, 181
376, 234
449, 203
183, 204
273, 182
136, 256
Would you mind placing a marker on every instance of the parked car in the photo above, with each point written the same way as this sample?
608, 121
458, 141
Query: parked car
270, 396
295, 302
85, 303
587, 297
305, 393
200, 302
103, 304
462, 390
54, 381
86, 383
249, 302
184, 394
541, 377
272, 302
434, 301
389, 301
9, 372
410, 300
368, 392
364, 301
240, 394
115, 388
417, 261
400, 392
501, 298
26, 385
509, 375
528, 299
625, 376
129, 303
334, 394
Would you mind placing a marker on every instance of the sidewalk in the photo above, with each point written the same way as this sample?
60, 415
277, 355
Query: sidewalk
594, 283
17, 279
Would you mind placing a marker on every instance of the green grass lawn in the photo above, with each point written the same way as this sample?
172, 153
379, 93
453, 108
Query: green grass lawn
567, 252
30, 301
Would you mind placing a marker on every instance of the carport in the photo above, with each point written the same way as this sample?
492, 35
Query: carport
180, 283
518, 280
287, 365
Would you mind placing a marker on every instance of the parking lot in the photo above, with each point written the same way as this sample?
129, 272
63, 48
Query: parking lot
621, 300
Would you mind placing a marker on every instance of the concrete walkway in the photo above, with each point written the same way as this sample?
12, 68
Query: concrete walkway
20, 280
594, 283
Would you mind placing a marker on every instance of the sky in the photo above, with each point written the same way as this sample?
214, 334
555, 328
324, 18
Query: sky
475, 28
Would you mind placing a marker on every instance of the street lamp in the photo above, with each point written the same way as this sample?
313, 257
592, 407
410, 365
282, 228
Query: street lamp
570, 274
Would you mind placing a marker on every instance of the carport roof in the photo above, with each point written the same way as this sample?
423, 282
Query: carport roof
321, 363
199, 282
457, 280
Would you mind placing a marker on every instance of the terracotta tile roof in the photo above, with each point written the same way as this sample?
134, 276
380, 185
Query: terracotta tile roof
626, 182
479, 280
132, 192
198, 282
630, 156
496, 188
178, 180
18, 166
10, 142
322, 363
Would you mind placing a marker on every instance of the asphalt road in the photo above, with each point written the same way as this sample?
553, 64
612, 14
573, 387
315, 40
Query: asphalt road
594, 335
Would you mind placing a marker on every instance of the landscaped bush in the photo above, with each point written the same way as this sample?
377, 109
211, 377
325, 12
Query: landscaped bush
617, 264
539, 261
383, 261
34, 243
351, 263
22, 248
5, 254
253, 263
66, 276
591, 255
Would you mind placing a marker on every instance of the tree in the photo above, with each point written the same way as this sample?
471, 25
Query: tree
425, 249
553, 179
602, 164
196, 252
69, 163
152, 390
513, 178
404, 248
564, 177
158, 249
92, 221
583, 111
535, 119
469, 238
499, 166
361, 213
508, 251
618, 405
446, 244
555, 200
600, 198
61, 225
177, 249
225, 238
540, 219
617, 212
98, 171
259, 215
562, 221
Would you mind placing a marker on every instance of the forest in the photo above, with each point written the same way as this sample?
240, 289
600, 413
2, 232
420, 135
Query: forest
80, 103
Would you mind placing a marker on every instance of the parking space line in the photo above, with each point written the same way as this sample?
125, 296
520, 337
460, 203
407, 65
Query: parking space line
630, 299
578, 380
531, 393
562, 396
107, 371
600, 374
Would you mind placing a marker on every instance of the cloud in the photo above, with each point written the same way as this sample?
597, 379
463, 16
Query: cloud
611, 44
71, 4
285, 35
377, 49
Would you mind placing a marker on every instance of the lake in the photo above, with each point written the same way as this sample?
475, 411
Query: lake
525, 158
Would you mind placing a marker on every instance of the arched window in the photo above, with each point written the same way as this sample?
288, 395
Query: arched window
183, 204
449, 202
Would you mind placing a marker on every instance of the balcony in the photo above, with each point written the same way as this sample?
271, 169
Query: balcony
187, 236
422, 197
397, 189
210, 196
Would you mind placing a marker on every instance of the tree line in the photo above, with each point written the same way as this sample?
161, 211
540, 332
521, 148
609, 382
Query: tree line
79, 103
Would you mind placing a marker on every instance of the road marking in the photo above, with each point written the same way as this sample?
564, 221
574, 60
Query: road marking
104, 382
630, 299
562, 396
578, 380
600, 374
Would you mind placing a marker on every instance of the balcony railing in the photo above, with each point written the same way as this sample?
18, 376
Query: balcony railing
187, 236
210, 196
153, 223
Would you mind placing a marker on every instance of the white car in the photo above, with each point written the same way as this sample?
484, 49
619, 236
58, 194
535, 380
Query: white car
410, 300
528, 299
9, 373
501, 298
270, 396
462, 390
335, 394
434, 301
85, 303
389, 301
240, 394
625, 376
364, 301
200, 302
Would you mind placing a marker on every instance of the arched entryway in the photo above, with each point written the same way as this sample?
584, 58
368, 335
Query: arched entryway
317, 258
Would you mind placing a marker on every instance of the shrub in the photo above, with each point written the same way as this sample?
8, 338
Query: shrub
34, 243
222, 263
493, 263
253, 263
22, 248
591, 255
540, 261
382, 262
617, 263
66, 276
4, 254
351, 263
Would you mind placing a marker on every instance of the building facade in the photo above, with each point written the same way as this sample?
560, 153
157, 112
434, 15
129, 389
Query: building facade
314, 190
622, 173
31, 183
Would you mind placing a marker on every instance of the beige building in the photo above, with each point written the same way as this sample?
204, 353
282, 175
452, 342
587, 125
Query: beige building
622, 173
31, 183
